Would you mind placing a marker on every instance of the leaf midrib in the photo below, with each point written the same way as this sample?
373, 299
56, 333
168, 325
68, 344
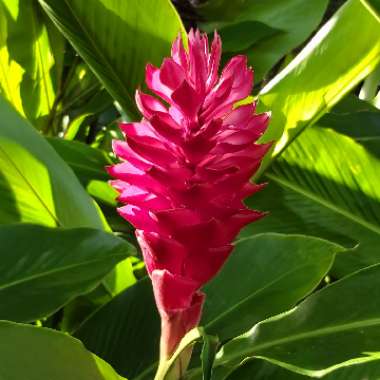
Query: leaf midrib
33, 190
253, 295
58, 270
365, 323
323, 202
99, 52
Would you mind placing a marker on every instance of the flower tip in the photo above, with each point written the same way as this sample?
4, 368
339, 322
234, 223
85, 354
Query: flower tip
149, 68
191, 34
263, 214
217, 42
137, 94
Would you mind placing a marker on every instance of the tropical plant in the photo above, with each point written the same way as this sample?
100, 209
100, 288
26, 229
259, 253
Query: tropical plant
298, 294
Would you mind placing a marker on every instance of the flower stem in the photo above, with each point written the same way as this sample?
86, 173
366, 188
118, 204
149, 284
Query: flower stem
169, 370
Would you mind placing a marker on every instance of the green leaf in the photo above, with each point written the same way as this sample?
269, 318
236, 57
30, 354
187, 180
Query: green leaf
29, 70
103, 192
241, 36
42, 268
263, 370
300, 94
209, 349
349, 115
36, 353
301, 262
130, 320
325, 184
348, 118
36, 186
325, 332
140, 31
88, 163
121, 277
296, 19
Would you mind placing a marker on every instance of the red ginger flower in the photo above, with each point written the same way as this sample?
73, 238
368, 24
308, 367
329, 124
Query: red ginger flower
185, 171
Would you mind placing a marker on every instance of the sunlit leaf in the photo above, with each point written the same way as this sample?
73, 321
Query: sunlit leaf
117, 38
36, 185
325, 184
300, 94
29, 69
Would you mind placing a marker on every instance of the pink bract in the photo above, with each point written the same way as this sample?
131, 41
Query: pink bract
186, 167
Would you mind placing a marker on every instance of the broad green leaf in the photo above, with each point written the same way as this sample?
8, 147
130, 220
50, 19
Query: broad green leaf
36, 353
327, 331
241, 36
300, 94
263, 370
295, 19
351, 104
116, 281
357, 119
264, 289
366, 371
42, 268
221, 10
36, 186
120, 278
117, 38
88, 163
29, 70
325, 184
126, 332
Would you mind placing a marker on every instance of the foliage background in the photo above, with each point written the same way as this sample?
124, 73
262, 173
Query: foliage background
68, 72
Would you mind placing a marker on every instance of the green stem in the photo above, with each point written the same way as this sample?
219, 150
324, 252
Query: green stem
169, 370
175, 366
